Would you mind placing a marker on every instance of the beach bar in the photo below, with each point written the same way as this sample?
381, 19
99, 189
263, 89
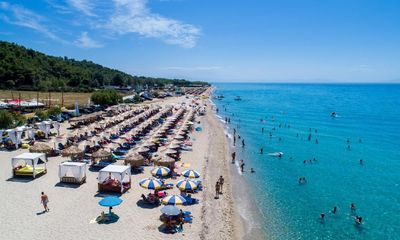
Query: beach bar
115, 178
26, 164
76, 169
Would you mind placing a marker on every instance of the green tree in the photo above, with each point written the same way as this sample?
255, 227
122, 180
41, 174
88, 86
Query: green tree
106, 97
54, 111
41, 114
6, 119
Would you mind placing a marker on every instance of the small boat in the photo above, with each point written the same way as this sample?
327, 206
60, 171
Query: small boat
237, 98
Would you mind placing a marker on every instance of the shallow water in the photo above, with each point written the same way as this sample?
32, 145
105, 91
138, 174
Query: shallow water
368, 115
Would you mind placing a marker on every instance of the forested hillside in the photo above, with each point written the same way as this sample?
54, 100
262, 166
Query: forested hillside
22, 68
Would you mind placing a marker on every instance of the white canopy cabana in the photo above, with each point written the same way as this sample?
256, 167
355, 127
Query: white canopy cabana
29, 164
76, 169
115, 178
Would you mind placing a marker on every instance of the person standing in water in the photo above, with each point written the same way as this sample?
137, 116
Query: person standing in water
243, 145
45, 200
334, 210
261, 150
242, 165
233, 157
361, 162
262, 130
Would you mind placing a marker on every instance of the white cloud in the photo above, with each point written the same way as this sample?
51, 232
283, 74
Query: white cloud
135, 17
23, 17
84, 41
84, 6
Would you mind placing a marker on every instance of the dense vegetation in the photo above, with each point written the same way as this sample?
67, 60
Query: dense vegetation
26, 69
10, 119
106, 97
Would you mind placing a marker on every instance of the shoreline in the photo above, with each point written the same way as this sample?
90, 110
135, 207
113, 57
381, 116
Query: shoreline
245, 214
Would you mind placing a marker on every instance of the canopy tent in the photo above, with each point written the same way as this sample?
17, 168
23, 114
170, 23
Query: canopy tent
29, 165
76, 169
115, 178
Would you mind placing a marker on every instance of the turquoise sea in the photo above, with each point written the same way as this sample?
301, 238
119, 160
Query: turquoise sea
368, 116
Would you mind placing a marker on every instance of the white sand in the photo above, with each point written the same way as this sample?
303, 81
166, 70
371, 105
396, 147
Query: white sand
74, 208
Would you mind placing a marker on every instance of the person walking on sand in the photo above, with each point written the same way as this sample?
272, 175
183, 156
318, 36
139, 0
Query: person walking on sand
44, 200
233, 157
221, 183
217, 190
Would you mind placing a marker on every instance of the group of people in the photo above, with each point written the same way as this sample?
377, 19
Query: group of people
357, 219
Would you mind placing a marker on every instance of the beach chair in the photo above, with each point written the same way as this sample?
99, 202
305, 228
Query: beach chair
187, 219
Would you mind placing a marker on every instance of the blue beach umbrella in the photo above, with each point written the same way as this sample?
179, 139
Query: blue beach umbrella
191, 174
160, 171
150, 183
110, 202
173, 200
170, 210
186, 185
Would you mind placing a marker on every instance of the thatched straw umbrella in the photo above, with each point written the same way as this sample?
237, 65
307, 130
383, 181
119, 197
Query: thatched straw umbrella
166, 162
101, 155
174, 146
72, 151
143, 149
135, 160
40, 148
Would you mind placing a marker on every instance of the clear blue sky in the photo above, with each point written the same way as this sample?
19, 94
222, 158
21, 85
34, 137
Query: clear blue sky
217, 40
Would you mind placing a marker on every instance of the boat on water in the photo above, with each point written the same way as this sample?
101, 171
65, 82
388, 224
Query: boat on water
237, 98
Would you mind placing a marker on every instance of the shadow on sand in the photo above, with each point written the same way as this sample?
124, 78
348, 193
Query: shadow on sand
67, 185
143, 204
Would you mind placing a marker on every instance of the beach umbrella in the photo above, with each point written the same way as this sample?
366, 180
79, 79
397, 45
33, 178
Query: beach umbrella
186, 185
174, 146
134, 159
173, 200
71, 151
190, 174
40, 148
101, 153
150, 183
110, 202
160, 171
143, 149
170, 151
170, 210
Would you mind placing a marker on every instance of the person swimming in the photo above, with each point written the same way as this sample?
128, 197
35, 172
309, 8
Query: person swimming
361, 162
322, 216
252, 170
352, 207
358, 220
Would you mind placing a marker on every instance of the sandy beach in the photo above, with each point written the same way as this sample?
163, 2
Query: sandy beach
74, 208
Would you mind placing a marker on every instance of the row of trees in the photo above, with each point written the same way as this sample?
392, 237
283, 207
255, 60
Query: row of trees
22, 68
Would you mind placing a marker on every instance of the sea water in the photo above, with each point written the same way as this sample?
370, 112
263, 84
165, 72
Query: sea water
297, 121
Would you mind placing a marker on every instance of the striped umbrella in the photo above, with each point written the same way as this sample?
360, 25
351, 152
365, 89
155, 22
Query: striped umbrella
173, 200
186, 185
191, 174
150, 183
160, 171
